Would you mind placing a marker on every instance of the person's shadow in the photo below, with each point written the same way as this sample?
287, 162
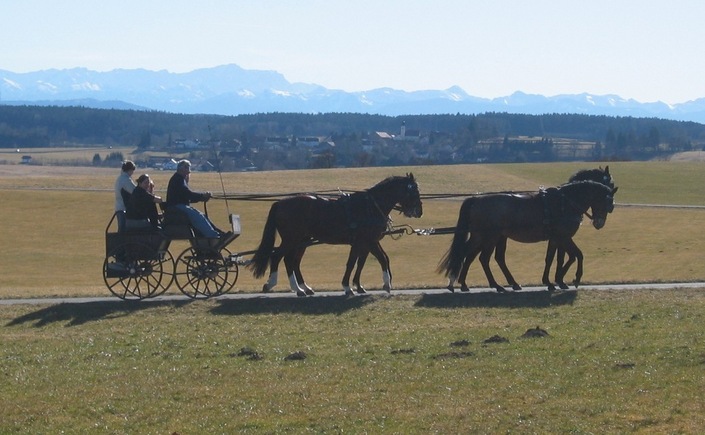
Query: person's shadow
74, 313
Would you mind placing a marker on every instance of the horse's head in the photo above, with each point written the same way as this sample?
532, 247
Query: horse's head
410, 203
602, 205
398, 193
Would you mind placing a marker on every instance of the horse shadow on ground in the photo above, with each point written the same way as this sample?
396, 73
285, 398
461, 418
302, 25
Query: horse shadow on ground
517, 299
75, 314
292, 305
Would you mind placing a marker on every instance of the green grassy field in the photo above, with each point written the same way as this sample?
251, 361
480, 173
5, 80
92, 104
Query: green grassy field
613, 362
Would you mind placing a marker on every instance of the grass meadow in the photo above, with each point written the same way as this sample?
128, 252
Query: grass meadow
613, 361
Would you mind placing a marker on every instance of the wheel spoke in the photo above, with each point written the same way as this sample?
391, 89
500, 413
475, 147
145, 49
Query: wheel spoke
137, 269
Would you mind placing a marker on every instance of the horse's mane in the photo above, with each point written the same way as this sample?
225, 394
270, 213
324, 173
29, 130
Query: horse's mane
393, 178
597, 185
598, 174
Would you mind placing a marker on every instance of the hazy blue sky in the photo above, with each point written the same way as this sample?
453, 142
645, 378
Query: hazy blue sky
648, 50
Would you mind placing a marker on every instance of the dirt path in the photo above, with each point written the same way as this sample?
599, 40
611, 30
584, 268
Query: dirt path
280, 295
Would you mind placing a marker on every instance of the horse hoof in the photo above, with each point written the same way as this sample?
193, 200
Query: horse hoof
309, 292
516, 287
576, 283
551, 287
464, 288
266, 289
301, 293
361, 291
451, 288
500, 289
387, 288
563, 286
348, 292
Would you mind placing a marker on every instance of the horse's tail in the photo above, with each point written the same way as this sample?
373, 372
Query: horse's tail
452, 260
259, 263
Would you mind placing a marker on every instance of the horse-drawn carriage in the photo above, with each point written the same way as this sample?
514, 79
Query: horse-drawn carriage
138, 264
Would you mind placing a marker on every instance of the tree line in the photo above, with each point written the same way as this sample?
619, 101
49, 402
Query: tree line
352, 139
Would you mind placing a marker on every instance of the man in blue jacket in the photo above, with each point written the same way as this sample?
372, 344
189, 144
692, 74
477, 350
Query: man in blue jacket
180, 196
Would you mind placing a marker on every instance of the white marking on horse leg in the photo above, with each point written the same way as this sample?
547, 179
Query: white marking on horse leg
272, 281
387, 279
348, 290
295, 285
309, 291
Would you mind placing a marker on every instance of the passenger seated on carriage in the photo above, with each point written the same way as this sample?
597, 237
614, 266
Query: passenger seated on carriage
142, 211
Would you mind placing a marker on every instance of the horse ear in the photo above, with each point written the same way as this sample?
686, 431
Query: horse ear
614, 190
607, 169
410, 175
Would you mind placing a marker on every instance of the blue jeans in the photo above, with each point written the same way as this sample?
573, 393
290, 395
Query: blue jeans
199, 221
120, 215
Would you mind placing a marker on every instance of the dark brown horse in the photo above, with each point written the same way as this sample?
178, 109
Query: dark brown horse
358, 220
551, 214
598, 175
554, 248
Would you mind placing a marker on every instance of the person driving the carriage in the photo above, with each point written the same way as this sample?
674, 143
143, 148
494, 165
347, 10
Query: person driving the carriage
180, 196
142, 211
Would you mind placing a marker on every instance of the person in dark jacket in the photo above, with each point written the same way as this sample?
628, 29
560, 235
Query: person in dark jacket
180, 196
142, 213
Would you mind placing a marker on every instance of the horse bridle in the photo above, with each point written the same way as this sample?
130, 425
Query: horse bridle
394, 207
576, 208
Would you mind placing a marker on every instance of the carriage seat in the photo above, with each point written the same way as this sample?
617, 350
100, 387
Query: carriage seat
176, 224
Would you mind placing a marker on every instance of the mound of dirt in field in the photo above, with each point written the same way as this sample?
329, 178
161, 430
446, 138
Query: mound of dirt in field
496, 339
535, 333
296, 356
250, 353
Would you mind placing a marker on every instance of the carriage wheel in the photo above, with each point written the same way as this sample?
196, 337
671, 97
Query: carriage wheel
201, 274
135, 271
233, 271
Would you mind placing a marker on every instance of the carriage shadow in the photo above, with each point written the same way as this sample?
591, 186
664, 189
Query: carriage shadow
319, 305
76, 314
532, 299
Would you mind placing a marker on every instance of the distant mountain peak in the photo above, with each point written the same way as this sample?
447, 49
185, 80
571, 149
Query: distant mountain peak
232, 90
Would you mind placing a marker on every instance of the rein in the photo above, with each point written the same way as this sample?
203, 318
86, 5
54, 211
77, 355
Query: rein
576, 207
379, 209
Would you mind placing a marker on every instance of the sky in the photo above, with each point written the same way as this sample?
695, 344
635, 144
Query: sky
646, 50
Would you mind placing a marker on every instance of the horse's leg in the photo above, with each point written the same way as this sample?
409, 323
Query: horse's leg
361, 259
290, 264
298, 256
352, 259
500, 258
273, 271
574, 253
485, 256
383, 259
472, 248
550, 253
560, 262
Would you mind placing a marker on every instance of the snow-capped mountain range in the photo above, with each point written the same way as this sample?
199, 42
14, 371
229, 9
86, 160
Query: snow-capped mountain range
231, 90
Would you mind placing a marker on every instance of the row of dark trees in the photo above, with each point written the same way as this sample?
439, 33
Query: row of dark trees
445, 138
